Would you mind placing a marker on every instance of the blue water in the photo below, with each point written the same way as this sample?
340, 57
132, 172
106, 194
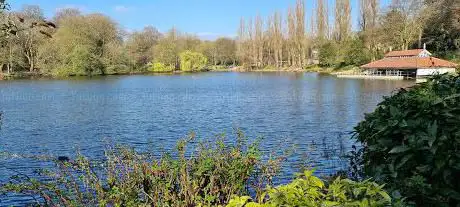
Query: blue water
306, 112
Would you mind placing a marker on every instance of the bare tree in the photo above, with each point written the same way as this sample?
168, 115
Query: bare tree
291, 41
368, 21
300, 33
29, 39
241, 42
342, 28
140, 45
278, 39
259, 41
322, 20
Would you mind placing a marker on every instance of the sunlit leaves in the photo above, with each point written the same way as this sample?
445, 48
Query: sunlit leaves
308, 190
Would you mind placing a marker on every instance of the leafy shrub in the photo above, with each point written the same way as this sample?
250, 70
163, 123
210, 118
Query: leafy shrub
192, 61
160, 68
208, 176
80, 62
412, 142
328, 54
308, 190
356, 53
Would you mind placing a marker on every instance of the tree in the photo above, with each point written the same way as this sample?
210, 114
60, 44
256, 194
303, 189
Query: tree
328, 54
368, 22
82, 61
277, 39
259, 42
192, 61
242, 43
442, 28
342, 20
188, 42
209, 49
167, 50
356, 53
116, 59
322, 20
403, 24
291, 40
77, 33
20, 34
30, 39
63, 14
140, 45
226, 49
301, 41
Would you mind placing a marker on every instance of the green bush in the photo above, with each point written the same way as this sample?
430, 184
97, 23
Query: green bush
328, 54
208, 175
412, 142
192, 61
356, 54
308, 190
80, 62
161, 68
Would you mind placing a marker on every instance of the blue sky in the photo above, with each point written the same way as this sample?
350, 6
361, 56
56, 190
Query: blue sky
206, 18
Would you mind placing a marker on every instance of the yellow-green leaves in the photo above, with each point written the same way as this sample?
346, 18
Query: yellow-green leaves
192, 61
310, 191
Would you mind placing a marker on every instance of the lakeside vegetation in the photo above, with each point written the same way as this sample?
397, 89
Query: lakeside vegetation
412, 141
408, 157
74, 44
212, 174
80, 44
410, 144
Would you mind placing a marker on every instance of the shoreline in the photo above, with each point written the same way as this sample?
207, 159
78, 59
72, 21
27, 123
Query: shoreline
38, 76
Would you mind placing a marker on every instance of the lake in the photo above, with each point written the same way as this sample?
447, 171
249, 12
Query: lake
307, 112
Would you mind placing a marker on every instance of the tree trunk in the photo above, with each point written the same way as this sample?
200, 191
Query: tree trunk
32, 66
420, 38
10, 60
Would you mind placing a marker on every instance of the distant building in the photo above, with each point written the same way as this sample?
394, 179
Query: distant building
409, 63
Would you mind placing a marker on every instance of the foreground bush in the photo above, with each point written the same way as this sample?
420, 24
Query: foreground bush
207, 176
412, 142
308, 190
211, 175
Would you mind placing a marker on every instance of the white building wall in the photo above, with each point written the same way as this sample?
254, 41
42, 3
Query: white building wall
434, 71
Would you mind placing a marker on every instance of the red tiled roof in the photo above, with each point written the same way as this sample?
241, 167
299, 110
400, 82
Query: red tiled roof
410, 63
415, 52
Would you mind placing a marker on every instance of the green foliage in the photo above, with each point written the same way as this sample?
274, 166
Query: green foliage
140, 45
192, 61
160, 68
167, 51
308, 190
225, 51
412, 141
328, 54
78, 49
350, 52
209, 174
82, 62
442, 30
356, 53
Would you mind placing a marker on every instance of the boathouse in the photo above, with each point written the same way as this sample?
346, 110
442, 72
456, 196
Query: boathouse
417, 63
